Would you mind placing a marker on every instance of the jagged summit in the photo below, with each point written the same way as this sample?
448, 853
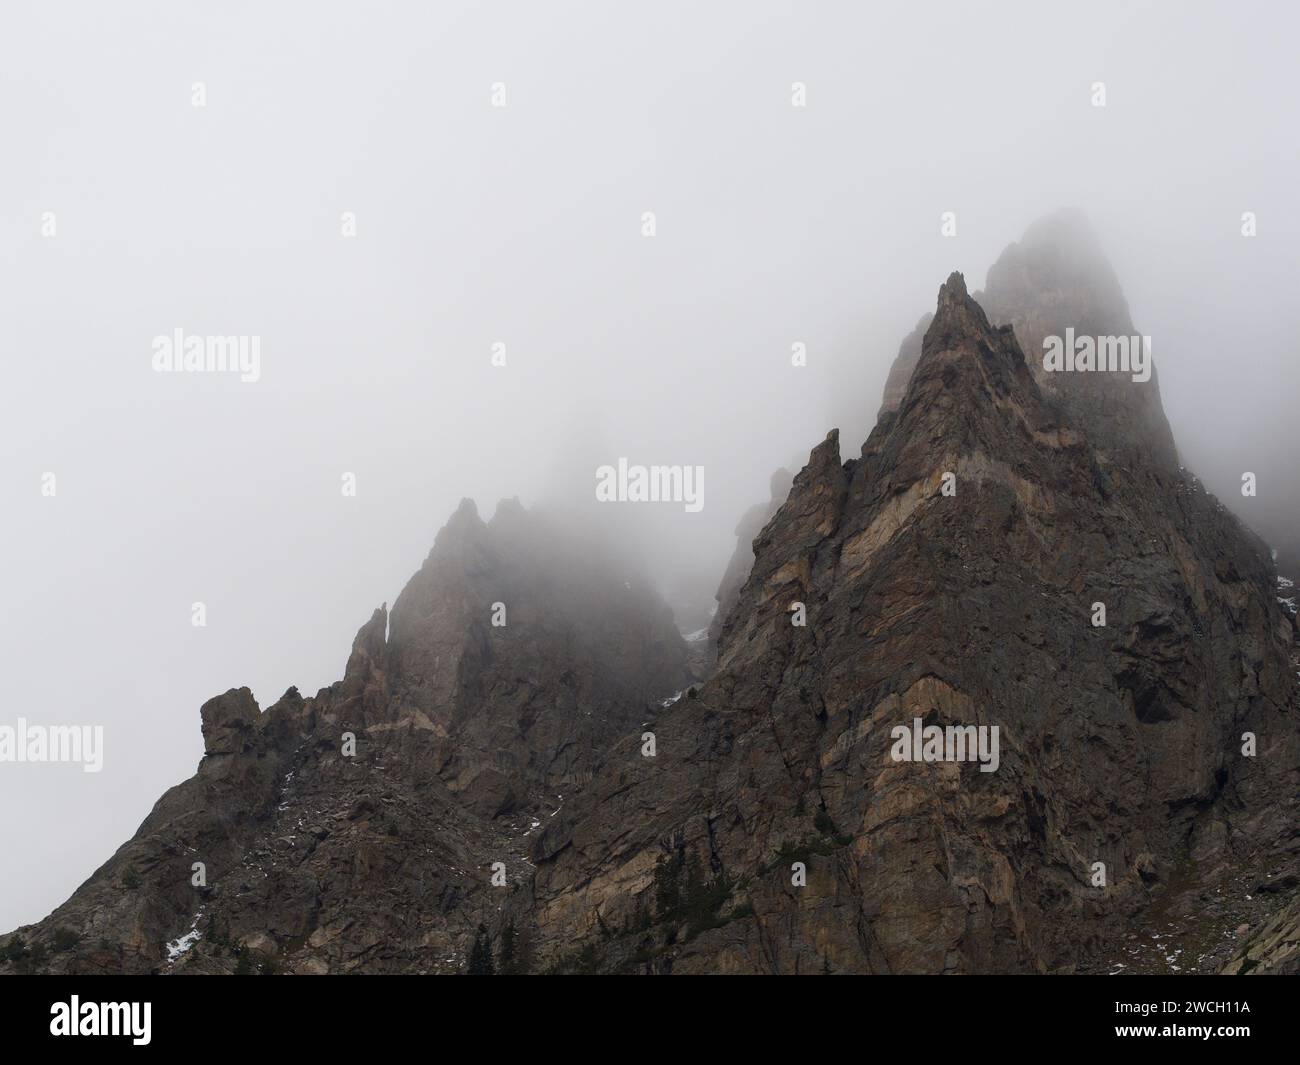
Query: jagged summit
952, 293
1056, 281
948, 576
960, 337
951, 575
356, 829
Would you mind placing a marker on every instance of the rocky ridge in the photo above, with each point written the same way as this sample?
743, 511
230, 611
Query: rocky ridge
950, 573
359, 830
1121, 744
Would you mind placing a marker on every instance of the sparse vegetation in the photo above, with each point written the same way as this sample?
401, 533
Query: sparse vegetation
507, 957
802, 850
480, 955
15, 950
690, 899
585, 962
823, 824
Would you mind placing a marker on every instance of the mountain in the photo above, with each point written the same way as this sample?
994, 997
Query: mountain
1120, 744
467, 736
1057, 278
1014, 562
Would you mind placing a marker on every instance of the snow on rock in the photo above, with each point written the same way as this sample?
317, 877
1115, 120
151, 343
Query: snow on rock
177, 947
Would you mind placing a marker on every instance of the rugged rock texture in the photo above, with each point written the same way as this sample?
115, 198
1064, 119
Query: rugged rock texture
1275, 949
467, 735
1119, 744
949, 573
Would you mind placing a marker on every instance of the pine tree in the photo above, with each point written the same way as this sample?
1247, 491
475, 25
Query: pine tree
524, 952
668, 891
480, 957
506, 959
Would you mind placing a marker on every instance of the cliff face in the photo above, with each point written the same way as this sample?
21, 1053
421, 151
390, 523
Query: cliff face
537, 779
1121, 744
358, 830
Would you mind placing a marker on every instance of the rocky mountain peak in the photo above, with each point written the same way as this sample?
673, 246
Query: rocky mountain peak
1056, 282
229, 722
495, 723
951, 575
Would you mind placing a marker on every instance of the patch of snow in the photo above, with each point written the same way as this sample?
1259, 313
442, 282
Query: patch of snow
177, 947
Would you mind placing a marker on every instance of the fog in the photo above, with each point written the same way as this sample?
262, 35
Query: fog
522, 225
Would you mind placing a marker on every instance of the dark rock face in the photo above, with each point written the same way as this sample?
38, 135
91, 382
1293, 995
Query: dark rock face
949, 574
357, 830
1274, 949
1119, 744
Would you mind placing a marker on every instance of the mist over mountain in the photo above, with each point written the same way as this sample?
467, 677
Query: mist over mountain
653, 409
519, 753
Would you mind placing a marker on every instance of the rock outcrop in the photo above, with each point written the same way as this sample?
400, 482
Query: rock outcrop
1014, 561
361, 829
1274, 950
1121, 764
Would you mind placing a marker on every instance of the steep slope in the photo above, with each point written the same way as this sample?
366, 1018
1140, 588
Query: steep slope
484, 763
1120, 744
357, 830
1275, 948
